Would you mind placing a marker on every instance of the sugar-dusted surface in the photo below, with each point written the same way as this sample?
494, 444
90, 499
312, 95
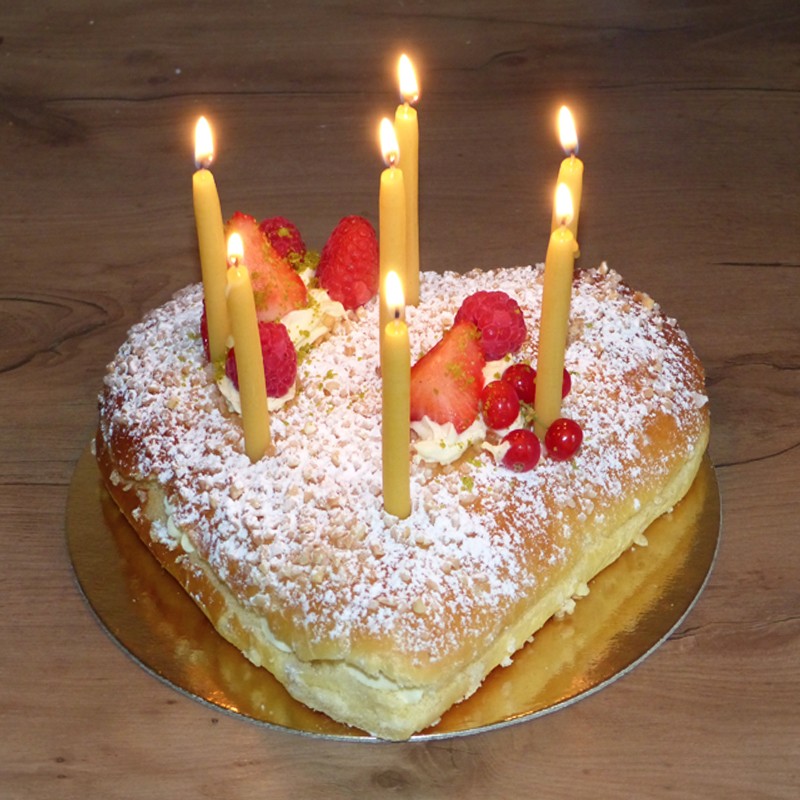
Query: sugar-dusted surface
302, 535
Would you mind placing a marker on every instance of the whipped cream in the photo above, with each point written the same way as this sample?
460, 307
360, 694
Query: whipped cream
442, 444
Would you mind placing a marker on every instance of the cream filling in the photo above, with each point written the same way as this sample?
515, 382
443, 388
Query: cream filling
234, 402
493, 370
442, 444
306, 325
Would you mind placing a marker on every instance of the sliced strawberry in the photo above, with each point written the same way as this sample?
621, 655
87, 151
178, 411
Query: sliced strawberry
446, 382
348, 266
277, 288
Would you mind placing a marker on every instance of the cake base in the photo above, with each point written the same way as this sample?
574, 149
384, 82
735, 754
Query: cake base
632, 607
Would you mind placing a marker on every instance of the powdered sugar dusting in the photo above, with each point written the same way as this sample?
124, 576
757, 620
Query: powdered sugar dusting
303, 533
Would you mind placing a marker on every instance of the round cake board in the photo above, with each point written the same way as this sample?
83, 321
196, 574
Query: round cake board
632, 607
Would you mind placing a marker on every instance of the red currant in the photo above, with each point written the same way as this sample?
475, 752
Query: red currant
523, 378
566, 383
563, 438
523, 455
499, 404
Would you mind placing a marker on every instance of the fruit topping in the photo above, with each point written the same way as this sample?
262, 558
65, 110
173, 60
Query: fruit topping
524, 450
284, 236
348, 266
280, 359
277, 288
204, 332
499, 404
498, 318
523, 378
446, 382
566, 384
563, 438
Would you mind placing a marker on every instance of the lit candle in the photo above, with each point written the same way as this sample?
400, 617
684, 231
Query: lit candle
211, 241
571, 170
392, 210
247, 349
396, 377
406, 127
554, 323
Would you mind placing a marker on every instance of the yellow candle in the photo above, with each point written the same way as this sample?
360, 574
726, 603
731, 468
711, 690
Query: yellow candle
211, 241
406, 127
571, 170
396, 377
249, 361
392, 212
554, 324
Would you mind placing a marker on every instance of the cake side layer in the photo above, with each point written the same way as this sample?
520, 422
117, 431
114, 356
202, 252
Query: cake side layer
343, 691
301, 539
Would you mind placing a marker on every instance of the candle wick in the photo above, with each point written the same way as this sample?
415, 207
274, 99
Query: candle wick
204, 162
397, 313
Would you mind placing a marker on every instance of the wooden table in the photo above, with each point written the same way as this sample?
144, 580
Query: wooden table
688, 117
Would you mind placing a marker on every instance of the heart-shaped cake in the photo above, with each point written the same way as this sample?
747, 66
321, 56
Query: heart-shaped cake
380, 622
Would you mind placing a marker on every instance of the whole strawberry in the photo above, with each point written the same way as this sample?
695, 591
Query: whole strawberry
348, 266
280, 359
284, 236
498, 318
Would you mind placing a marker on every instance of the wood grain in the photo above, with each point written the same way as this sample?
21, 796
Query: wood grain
688, 118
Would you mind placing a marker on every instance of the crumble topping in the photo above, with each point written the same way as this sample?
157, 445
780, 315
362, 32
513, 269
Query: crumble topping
305, 528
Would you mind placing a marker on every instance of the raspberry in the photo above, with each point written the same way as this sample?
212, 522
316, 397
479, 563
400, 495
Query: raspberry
204, 332
280, 359
499, 319
284, 237
348, 266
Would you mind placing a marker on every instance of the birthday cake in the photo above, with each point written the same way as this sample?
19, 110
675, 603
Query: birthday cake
384, 622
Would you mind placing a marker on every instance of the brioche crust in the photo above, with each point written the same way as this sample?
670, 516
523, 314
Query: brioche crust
384, 624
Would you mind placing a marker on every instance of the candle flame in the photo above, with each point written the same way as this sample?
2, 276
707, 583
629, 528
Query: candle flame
203, 144
389, 146
409, 88
235, 250
567, 132
393, 292
564, 207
